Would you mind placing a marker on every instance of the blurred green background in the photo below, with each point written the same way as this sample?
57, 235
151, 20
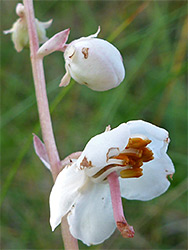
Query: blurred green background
151, 36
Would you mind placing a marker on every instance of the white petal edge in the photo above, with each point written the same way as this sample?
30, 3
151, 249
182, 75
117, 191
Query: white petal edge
152, 183
47, 24
96, 34
8, 31
91, 220
147, 129
87, 37
64, 193
65, 80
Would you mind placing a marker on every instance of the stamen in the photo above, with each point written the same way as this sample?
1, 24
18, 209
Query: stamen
147, 155
132, 152
118, 161
130, 160
135, 154
108, 169
122, 156
125, 229
103, 170
137, 143
129, 173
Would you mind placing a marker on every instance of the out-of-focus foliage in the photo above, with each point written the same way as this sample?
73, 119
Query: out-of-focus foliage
151, 36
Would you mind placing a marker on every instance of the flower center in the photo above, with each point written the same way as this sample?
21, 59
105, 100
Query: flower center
130, 159
133, 156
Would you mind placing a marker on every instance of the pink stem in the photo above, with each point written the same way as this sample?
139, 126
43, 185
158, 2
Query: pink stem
40, 89
43, 108
126, 230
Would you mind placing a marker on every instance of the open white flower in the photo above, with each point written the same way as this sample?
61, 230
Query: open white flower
88, 190
19, 30
90, 61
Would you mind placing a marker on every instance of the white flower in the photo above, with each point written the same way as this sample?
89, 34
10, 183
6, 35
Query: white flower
88, 189
89, 60
19, 30
94, 62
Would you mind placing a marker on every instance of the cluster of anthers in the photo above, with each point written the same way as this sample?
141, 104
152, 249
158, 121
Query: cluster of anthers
130, 159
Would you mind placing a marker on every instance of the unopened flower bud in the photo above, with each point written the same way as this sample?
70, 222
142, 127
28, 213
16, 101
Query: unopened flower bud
19, 30
20, 10
89, 60
93, 62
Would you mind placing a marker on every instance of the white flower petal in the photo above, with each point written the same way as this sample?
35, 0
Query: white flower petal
8, 31
91, 220
152, 183
65, 80
147, 129
159, 137
65, 192
41, 30
97, 149
96, 34
47, 24
20, 35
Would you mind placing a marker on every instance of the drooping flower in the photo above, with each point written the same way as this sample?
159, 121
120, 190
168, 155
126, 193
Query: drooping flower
90, 61
87, 190
19, 30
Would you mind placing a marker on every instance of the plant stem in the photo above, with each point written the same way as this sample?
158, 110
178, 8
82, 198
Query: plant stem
40, 89
43, 109
70, 243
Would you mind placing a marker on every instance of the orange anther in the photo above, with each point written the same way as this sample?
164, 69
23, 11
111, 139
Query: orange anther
137, 143
131, 173
135, 153
147, 155
138, 164
123, 157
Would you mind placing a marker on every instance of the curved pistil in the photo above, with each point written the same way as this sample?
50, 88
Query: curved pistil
125, 229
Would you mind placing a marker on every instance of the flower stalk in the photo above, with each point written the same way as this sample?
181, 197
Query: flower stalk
40, 89
43, 109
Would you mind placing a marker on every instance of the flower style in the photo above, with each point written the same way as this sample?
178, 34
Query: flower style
19, 30
87, 190
89, 60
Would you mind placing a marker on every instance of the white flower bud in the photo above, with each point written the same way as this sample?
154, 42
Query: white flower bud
93, 62
19, 30
20, 10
